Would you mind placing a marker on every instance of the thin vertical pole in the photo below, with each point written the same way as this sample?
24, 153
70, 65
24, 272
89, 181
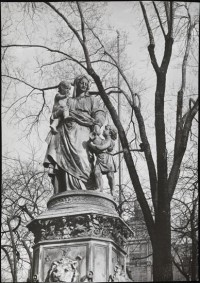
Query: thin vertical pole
119, 114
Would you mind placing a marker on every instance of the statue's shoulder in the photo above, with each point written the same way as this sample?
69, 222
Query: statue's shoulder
95, 102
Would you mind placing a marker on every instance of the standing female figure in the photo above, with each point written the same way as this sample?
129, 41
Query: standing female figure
68, 157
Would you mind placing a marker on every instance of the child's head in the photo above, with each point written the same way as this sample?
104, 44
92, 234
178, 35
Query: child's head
110, 130
64, 88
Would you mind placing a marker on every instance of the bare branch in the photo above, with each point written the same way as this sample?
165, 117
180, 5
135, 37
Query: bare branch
3, 247
14, 251
54, 62
33, 87
158, 15
82, 21
66, 21
181, 270
82, 42
151, 46
174, 174
179, 118
171, 23
46, 48
167, 13
118, 152
150, 33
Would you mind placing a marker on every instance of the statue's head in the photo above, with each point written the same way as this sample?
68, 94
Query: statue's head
64, 87
110, 130
81, 85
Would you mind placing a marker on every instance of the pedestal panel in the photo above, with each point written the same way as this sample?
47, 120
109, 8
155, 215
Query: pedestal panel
66, 261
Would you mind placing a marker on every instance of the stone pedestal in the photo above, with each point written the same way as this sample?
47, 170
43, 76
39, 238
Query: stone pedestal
79, 238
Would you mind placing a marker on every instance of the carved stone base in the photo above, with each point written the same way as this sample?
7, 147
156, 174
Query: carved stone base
53, 260
79, 202
79, 237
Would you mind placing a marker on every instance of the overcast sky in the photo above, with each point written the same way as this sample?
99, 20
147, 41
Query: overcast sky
124, 17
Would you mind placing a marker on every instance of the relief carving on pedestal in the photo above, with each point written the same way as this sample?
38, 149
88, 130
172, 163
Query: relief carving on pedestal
119, 275
88, 225
88, 277
63, 270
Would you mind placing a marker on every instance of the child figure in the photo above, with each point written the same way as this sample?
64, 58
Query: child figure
60, 107
105, 164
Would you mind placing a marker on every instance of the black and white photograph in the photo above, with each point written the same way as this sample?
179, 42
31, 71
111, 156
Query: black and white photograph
99, 103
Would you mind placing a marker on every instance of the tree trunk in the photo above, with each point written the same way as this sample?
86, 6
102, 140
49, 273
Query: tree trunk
194, 262
162, 260
127, 156
14, 251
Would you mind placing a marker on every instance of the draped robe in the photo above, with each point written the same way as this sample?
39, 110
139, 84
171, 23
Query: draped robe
68, 150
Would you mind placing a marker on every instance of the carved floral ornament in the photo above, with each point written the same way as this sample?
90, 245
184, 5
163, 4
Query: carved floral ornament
88, 225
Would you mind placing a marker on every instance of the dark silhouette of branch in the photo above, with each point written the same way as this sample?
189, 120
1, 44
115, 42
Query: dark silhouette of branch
151, 46
158, 15
25, 209
3, 247
33, 87
166, 4
46, 48
140, 150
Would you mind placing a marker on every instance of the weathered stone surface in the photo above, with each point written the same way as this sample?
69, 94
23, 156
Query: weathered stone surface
78, 215
65, 260
86, 225
80, 237
78, 202
82, 225
67, 157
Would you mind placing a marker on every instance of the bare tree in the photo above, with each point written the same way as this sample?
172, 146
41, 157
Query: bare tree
185, 222
86, 50
25, 188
